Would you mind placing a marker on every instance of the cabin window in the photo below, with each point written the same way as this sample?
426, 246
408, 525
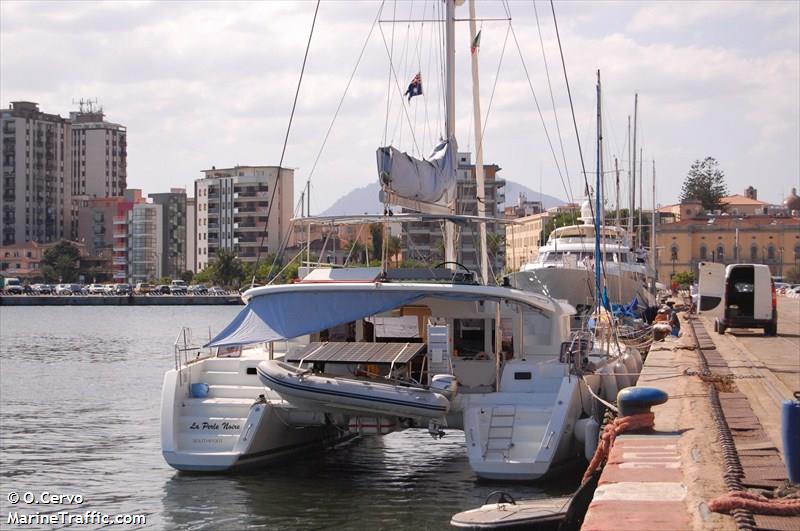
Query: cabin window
469, 338
535, 330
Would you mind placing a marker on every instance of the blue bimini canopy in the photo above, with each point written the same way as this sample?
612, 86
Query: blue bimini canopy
288, 314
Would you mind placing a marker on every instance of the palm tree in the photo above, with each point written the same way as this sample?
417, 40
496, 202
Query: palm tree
227, 268
394, 247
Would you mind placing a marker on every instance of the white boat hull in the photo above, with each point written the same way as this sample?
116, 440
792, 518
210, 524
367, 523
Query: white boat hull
232, 427
510, 437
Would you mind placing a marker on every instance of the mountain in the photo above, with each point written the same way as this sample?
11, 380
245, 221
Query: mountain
364, 200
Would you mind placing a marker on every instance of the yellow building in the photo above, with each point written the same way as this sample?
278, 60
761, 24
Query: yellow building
771, 240
523, 239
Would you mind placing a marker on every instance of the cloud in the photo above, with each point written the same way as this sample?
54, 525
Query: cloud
209, 83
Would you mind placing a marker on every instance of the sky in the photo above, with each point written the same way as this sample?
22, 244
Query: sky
202, 84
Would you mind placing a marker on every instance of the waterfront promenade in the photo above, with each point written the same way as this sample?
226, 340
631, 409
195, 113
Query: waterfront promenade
664, 479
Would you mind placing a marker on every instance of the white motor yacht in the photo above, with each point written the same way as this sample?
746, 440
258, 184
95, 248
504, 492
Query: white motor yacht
564, 268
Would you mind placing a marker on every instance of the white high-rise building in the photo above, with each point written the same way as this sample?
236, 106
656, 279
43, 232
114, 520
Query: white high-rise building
99, 154
231, 210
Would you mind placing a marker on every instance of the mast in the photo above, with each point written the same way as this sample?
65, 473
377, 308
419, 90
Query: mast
450, 121
597, 255
633, 174
641, 191
630, 190
616, 170
653, 232
476, 120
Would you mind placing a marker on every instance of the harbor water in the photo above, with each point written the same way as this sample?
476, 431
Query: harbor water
80, 389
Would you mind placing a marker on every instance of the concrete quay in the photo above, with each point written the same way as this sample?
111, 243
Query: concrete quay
664, 479
122, 300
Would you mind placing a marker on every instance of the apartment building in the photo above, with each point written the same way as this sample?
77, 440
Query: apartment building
99, 154
35, 188
191, 234
232, 206
424, 241
173, 231
145, 242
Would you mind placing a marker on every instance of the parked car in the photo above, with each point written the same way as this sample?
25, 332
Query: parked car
161, 289
42, 289
197, 289
95, 289
216, 290
177, 287
13, 286
122, 289
69, 289
142, 288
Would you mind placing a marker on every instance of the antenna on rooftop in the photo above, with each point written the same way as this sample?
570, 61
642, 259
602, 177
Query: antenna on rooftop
87, 105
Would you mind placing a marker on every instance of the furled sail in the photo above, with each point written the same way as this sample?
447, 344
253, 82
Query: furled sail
427, 180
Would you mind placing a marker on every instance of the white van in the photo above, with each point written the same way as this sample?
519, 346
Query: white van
738, 296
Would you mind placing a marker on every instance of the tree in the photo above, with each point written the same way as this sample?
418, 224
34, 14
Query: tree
228, 268
394, 247
187, 276
705, 182
356, 252
683, 279
61, 262
205, 275
376, 231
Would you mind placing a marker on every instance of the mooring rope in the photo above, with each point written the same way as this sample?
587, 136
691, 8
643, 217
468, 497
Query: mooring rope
610, 432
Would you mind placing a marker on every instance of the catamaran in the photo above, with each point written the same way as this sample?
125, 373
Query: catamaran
303, 365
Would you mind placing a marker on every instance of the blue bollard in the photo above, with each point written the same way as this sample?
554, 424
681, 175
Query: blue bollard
633, 400
790, 433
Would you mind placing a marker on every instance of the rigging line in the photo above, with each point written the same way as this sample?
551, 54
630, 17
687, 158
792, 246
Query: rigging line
427, 127
553, 101
285, 142
404, 56
399, 90
539, 110
441, 101
344, 94
494, 87
569, 93
389, 75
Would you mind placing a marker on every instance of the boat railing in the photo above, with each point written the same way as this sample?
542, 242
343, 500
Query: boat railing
188, 347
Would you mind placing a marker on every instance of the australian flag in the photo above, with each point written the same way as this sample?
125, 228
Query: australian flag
415, 87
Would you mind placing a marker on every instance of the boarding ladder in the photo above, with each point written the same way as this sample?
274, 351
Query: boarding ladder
500, 438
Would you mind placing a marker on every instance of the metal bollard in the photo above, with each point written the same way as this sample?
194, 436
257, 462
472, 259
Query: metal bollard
634, 400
